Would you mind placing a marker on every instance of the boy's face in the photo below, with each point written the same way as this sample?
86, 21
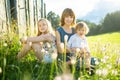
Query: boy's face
68, 20
42, 26
81, 31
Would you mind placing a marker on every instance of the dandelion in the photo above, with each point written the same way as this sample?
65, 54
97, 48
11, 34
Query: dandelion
54, 56
58, 78
109, 66
66, 38
0, 70
118, 61
96, 62
73, 60
36, 65
77, 50
79, 78
5, 44
114, 72
103, 49
104, 72
99, 72
62, 46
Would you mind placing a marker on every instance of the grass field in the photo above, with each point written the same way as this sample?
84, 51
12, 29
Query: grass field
105, 48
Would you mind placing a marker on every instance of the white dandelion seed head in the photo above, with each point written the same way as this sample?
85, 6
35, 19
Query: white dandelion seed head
5, 44
54, 56
66, 38
0, 70
114, 72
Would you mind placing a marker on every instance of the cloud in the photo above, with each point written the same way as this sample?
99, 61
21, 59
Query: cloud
80, 7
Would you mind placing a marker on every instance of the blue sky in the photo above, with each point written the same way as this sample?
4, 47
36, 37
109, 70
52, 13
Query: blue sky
93, 10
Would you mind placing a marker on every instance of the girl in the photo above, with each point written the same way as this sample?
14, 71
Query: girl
78, 41
66, 28
43, 45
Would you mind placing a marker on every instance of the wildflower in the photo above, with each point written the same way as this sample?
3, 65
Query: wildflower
118, 61
77, 50
103, 60
109, 66
62, 46
54, 56
0, 70
96, 62
36, 65
104, 72
66, 38
5, 44
103, 49
99, 72
73, 60
114, 72
58, 78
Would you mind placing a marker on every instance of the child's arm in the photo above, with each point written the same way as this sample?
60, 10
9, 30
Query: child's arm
41, 38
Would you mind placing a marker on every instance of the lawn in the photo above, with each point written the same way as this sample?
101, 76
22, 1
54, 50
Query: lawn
105, 48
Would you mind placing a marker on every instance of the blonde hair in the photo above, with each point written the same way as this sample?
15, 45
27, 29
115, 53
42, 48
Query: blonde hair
67, 12
81, 25
49, 27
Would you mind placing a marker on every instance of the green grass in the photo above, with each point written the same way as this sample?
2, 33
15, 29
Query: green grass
105, 47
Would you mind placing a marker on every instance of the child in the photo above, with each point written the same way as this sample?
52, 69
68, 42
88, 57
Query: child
66, 28
43, 44
78, 41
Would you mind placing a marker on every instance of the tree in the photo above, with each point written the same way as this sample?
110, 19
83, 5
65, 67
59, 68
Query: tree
54, 19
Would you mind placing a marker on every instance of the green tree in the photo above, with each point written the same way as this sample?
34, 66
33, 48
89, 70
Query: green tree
54, 19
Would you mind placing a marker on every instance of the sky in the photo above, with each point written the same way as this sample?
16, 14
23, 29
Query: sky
84, 9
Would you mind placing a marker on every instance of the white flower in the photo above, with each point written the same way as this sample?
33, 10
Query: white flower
109, 66
104, 72
96, 62
62, 46
0, 70
66, 38
58, 78
54, 56
73, 60
77, 50
5, 44
114, 72
99, 72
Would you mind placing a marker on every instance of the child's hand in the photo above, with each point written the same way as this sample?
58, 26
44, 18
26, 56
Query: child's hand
23, 40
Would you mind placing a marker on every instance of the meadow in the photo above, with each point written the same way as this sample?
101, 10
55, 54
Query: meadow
105, 48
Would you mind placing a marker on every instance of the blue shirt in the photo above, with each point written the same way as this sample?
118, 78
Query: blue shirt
63, 33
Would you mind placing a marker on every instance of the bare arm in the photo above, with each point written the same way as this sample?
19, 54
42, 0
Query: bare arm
46, 37
58, 42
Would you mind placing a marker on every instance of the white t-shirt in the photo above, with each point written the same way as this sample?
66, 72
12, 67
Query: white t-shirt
76, 42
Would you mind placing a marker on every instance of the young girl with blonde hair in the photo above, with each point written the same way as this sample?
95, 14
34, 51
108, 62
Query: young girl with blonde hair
43, 44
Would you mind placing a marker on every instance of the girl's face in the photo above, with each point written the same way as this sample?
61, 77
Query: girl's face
68, 20
81, 31
42, 26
